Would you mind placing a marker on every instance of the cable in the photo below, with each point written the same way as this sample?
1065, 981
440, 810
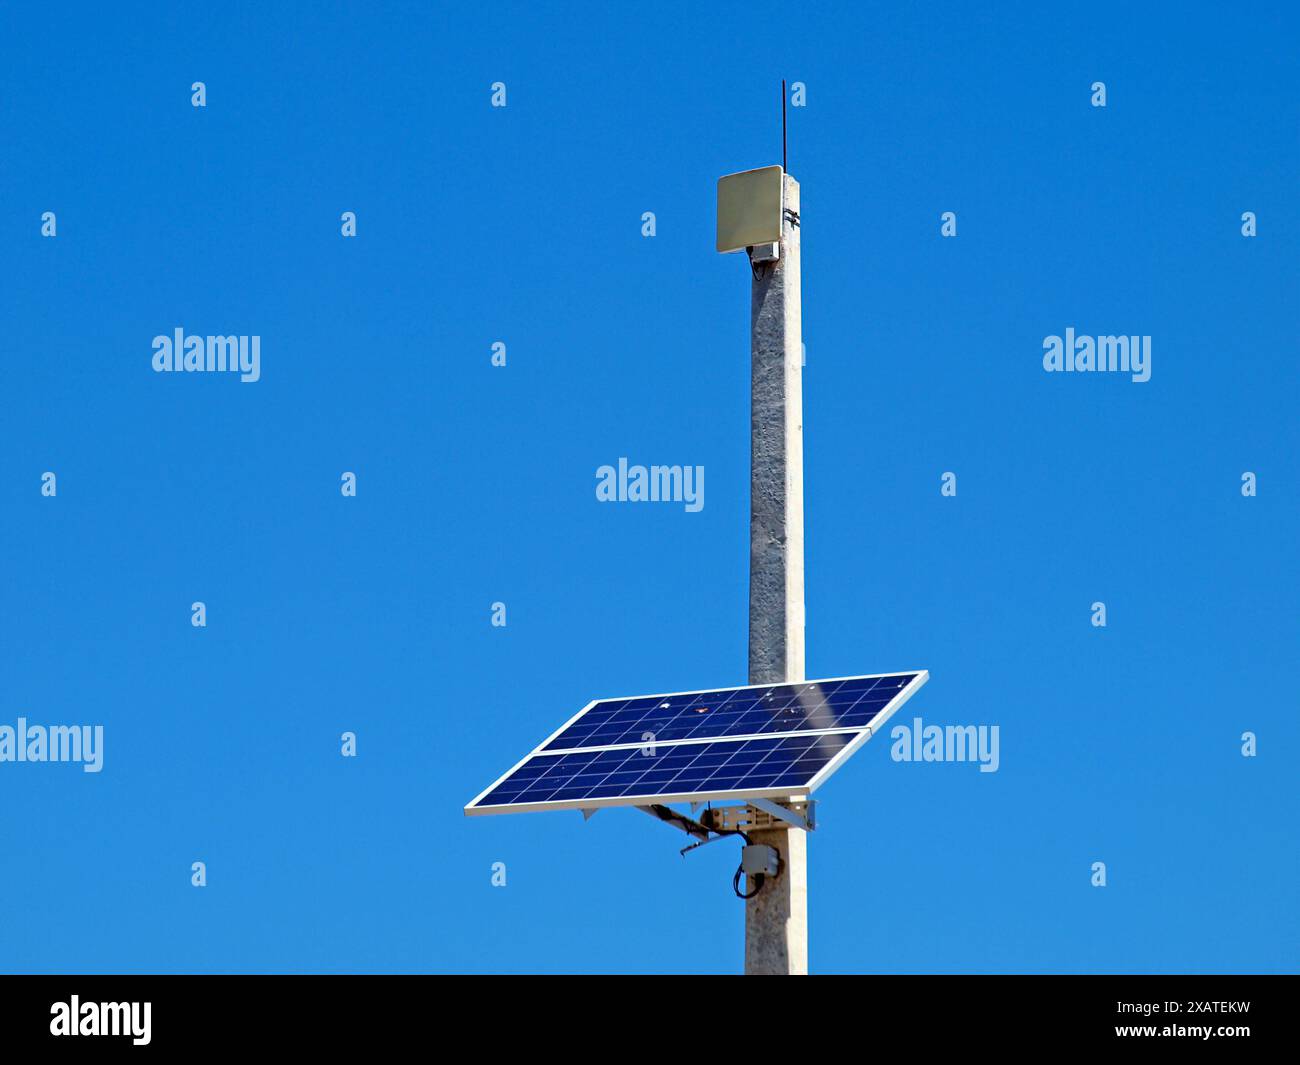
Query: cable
706, 819
735, 884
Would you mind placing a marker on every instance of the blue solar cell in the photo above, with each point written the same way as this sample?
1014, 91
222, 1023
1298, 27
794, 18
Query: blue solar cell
737, 766
724, 743
852, 703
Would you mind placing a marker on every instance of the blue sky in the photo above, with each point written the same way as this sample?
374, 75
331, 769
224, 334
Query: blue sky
476, 484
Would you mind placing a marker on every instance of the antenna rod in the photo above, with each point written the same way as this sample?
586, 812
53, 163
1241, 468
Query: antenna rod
784, 168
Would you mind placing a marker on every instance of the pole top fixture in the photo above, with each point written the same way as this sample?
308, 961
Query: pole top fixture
750, 208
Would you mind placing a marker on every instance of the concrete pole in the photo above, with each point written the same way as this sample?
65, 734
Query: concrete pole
776, 919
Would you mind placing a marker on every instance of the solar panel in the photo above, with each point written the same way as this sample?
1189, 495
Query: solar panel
758, 741
852, 702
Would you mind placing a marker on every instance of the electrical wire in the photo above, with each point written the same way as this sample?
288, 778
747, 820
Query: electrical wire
707, 820
735, 884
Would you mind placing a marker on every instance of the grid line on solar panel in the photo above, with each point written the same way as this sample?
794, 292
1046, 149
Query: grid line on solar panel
695, 740
853, 702
719, 766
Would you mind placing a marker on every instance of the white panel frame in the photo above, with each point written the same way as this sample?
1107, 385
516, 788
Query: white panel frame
863, 734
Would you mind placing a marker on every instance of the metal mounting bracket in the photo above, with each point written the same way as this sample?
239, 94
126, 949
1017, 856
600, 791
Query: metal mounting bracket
762, 814
799, 819
671, 817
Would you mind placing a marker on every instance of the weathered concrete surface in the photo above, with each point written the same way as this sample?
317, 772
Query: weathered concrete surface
776, 605
776, 919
